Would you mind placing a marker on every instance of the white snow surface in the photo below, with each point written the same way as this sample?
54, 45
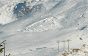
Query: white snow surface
44, 25
36, 33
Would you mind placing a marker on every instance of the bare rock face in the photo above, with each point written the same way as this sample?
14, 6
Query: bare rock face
21, 9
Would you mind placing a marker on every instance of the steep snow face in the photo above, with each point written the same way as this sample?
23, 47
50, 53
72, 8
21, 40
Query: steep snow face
76, 15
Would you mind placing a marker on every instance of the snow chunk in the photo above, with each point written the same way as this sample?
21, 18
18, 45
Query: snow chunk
44, 25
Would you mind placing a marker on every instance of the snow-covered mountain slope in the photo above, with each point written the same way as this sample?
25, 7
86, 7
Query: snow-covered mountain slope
36, 32
44, 25
6, 13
